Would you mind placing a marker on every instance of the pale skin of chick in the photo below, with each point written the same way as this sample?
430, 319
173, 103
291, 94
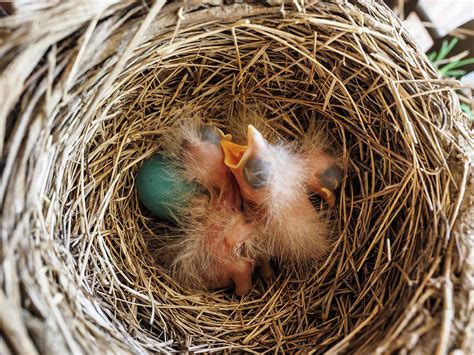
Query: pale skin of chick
276, 181
222, 223
230, 268
204, 161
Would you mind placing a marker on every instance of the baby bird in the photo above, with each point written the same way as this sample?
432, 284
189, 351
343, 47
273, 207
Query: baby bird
275, 182
203, 159
211, 252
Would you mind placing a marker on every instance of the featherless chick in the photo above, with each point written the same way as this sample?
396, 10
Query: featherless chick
276, 181
210, 249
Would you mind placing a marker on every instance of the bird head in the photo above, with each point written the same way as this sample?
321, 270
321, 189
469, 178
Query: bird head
256, 167
249, 164
202, 159
213, 135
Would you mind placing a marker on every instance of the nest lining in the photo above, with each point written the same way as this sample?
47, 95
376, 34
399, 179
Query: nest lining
343, 66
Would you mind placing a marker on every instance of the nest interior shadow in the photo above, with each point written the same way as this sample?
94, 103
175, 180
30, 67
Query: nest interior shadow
348, 68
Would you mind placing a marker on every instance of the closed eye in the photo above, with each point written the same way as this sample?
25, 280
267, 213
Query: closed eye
210, 134
257, 172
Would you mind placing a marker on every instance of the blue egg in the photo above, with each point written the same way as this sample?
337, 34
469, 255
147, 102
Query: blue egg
162, 188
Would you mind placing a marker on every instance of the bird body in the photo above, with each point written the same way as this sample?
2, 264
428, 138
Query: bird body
252, 203
203, 159
275, 180
211, 254
210, 250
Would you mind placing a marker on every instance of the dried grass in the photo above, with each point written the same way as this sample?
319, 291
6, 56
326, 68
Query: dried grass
88, 90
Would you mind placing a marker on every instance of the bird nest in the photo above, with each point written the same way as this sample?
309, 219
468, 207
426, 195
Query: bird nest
87, 92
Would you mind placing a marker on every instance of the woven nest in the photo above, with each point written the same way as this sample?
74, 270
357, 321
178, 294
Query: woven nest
86, 92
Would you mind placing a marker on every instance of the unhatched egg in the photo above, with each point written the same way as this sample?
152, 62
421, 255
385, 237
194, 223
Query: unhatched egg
162, 187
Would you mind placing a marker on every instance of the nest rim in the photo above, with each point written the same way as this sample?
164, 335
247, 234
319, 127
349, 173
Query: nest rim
110, 264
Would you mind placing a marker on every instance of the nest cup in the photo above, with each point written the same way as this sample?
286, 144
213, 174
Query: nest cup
87, 91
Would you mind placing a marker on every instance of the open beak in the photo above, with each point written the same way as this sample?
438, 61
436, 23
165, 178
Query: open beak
327, 195
325, 183
325, 178
236, 155
233, 154
224, 137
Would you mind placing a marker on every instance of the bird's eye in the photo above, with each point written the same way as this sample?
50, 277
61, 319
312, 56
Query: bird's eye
210, 134
257, 172
331, 177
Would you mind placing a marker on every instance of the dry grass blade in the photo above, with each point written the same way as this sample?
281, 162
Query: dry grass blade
87, 93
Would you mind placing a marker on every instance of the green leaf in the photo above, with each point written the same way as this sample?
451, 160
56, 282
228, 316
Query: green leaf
446, 48
456, 64
432, 56
455, 73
